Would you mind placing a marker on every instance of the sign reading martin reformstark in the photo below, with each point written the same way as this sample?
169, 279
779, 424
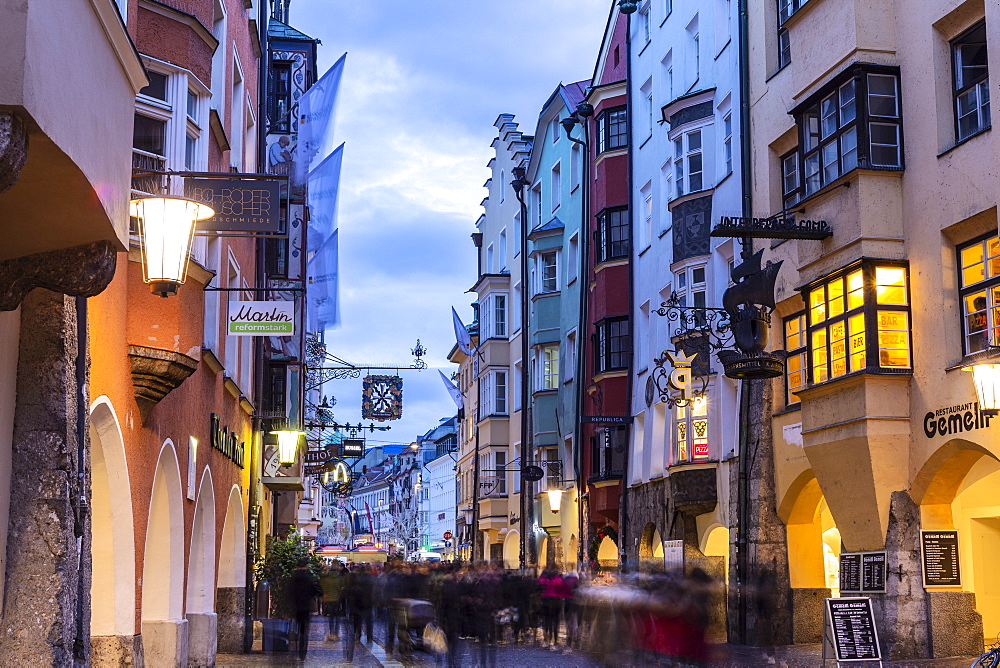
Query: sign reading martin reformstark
267, 318
241, 205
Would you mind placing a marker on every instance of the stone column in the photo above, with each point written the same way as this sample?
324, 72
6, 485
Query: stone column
230, 604
46, 608
766, 588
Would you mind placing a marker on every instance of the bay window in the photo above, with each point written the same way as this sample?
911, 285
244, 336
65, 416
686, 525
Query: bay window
854, 121
688, 163
613, 345
612, 234
691, 431
548, 370
493, 316
979, 278
612, 130
547, 272
796, 359
859, 321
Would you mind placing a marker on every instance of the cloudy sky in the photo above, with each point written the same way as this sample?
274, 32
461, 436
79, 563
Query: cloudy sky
423, 83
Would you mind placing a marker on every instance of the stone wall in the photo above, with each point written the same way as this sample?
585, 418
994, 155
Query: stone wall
230, 604
646, 503
46, 576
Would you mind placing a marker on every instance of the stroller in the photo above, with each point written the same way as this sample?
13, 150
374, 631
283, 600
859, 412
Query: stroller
412, 615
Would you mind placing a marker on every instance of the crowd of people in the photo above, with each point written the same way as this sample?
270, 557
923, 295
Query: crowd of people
438, 607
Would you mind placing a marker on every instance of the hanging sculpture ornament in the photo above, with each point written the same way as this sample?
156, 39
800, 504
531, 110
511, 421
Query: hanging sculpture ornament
749, 304
679, 386
382, 398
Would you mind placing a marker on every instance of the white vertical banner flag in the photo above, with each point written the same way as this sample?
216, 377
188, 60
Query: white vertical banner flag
322, 286
316, 110
322, 193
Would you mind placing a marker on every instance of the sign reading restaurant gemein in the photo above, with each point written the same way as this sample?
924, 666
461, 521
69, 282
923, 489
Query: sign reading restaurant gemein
269, 318
240, 205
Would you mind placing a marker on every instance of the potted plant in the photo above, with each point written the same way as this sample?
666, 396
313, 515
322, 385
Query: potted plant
282, 556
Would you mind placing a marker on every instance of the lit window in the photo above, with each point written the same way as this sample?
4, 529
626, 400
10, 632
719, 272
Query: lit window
691, 431
796, 359
979, 263
972, 84
851, 309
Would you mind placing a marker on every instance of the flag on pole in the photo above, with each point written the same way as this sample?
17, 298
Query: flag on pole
456, 394
322, 286
371, 522
316, 110
461, 333
322, 195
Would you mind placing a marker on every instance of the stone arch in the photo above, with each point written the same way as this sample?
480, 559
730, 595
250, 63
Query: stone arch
813, 538
201, 562
646, 541
607, 553
938, 480
113, 535
233, 548
512, 549
164, 629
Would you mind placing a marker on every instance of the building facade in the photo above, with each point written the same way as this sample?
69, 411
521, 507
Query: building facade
878, 433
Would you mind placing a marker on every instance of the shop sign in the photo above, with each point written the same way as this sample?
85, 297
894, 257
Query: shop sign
607, 419
225, 441
863, 571
776, 227
240, 205
266, 318
317, 456
850, 629
364, 539
955, 420
352, 447
673, 555
939, 557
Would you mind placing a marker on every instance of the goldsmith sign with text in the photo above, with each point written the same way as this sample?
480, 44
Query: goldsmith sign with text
270, 318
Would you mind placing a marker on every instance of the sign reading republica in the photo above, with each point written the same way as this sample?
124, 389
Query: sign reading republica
851, 627
607, 419
267, 318
240, 205
939, 557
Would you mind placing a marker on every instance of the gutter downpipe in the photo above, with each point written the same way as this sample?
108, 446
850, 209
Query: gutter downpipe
622, 521
527, 455
743, 500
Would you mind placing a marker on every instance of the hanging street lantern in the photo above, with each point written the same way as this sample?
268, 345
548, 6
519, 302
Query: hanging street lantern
288, 444
555, 499
986, 378
166, 230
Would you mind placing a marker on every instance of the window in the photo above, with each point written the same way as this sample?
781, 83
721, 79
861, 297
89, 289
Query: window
500, 459
979, 263
608, 448
972, 84
549, 379
647, 215
281, 97
612, 130
556, 186
493, 317
548, 272
612, 234
690, 285
613, 346
795, 357
573, 258
837, 134
500, 392
784, 47
644, 25
554, 129
489, 259
788, 7
688, 166
668, 6
149, 134
570, 361
502, 250
691, 431
157, 87
536, 204
647, 108
575, 166
848, 311
502, 186
727, 143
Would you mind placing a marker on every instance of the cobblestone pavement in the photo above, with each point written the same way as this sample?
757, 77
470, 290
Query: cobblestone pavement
373, 655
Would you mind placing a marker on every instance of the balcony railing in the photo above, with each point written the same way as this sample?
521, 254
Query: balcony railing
148, 184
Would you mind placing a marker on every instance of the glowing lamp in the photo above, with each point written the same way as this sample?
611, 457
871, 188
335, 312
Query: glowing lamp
288, 444
555, 499
986, 378
166, 230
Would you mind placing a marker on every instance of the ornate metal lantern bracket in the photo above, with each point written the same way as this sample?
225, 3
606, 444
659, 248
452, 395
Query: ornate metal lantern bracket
712, 324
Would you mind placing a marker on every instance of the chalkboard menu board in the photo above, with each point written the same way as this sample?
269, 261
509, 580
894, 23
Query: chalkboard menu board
852, 629
940, 558
850, 571
862, 571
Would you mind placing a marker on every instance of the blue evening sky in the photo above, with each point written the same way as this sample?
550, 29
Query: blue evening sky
423, 83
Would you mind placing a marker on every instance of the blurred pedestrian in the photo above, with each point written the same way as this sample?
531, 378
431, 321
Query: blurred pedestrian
551, 584
304, 590
332, 583
358, 593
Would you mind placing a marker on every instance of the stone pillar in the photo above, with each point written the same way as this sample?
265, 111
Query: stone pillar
230, 605
766, 588
165, 642
46, 607
203, 638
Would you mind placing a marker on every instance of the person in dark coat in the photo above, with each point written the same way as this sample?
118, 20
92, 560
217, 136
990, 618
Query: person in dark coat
359, 594
304, 590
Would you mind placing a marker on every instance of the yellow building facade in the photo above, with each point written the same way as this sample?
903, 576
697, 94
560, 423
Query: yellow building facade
875, 118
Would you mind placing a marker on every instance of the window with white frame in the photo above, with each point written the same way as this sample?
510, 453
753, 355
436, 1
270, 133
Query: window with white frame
644, 26
688, 163
690, 285
972, 83
548, 369
536, 204
646, 91
167, 126
547, 272
575, 167
979, 281
668, 6
647, 215
489, 259
556, 186
573, 258
515, 228
569, 363
691, 432
612, 345
554, 129
500, 392
493, 394
612, 234
502, 250
693, 56
727, 143
502, 186
612, 129
493, 316
500, 470
667, 64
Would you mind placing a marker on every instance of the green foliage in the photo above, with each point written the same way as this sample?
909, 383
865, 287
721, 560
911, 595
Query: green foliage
282, 557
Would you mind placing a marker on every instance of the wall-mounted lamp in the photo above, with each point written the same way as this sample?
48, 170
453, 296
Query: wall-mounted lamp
555, 499
628, 6
166, 230
986, 378
288, 444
